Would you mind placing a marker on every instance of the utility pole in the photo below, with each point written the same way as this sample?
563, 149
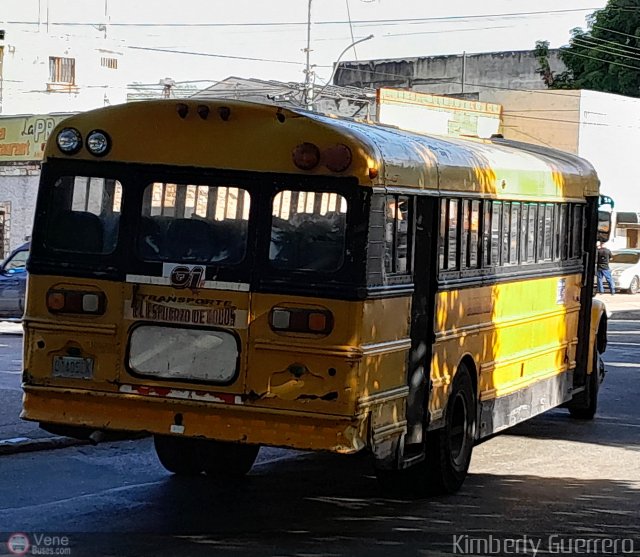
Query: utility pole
308, 82
464, 69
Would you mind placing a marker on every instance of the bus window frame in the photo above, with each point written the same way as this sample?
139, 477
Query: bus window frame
349, 282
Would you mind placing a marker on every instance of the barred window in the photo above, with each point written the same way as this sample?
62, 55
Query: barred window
62, 70
111, 63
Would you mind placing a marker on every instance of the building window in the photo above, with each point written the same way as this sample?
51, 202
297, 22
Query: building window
62, 70
111, 63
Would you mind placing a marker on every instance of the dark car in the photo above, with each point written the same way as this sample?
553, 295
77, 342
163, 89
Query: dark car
13, 282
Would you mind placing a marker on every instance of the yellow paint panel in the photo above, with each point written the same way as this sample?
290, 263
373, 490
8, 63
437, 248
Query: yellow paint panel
517, 333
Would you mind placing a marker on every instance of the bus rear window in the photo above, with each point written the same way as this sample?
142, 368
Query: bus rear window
185, 222
308, 231
85, 215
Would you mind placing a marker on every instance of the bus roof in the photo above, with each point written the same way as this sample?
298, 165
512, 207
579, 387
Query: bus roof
235, 135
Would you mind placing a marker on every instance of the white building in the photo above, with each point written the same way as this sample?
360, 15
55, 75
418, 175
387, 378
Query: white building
41, 73
601, 127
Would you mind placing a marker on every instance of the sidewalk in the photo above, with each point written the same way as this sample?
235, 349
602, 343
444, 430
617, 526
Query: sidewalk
10, 328
622, 305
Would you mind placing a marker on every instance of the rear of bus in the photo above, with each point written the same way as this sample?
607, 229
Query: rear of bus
197, 272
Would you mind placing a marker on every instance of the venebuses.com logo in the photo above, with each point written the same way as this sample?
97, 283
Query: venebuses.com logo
20, 543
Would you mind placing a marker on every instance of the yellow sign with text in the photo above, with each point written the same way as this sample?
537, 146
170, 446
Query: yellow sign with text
23, 138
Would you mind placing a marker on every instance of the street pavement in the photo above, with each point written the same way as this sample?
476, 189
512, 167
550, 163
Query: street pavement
18, 435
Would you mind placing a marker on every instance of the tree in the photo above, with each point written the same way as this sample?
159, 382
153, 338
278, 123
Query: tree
605, 58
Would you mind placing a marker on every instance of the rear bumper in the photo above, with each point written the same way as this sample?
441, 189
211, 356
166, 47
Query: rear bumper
135, 413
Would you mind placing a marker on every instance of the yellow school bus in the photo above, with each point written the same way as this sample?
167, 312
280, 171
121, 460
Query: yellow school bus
225, 275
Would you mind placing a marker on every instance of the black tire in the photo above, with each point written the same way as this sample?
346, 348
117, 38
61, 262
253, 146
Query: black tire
586, 406
634, 286
229, 460
448, 450
179, 455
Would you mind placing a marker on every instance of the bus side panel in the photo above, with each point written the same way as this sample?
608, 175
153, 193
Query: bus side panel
522, 337
363, 357
51, 337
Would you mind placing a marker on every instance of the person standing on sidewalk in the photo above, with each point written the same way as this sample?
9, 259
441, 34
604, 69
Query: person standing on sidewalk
602, 269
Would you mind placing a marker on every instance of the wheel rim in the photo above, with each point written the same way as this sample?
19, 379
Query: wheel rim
458, 440
634, 285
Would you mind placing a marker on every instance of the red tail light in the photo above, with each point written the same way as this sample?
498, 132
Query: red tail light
301, 320
75, 301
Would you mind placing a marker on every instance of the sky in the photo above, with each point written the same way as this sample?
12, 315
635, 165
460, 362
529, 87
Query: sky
210, 40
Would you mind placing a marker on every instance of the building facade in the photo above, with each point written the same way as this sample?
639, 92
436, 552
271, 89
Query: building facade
457, 74
22, 142
42, 73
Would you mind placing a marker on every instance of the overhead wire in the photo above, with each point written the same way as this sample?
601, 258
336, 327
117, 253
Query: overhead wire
390, 21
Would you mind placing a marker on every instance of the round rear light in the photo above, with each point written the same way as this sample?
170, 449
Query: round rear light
69, 141
98, 143
337, 158
306, 156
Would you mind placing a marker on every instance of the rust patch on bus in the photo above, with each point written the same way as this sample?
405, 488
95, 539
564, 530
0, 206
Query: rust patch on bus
297, 382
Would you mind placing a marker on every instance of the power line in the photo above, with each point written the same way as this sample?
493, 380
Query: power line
598, 39
394, 21
208, 54
617, 32
612, 62
605, 49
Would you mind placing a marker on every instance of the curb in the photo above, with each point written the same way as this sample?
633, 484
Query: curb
26, 445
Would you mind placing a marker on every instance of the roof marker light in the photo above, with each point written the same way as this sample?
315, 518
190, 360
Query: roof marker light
306, 156
203, 111
224, 112
182, 109
98, 143
337, 158
69, 141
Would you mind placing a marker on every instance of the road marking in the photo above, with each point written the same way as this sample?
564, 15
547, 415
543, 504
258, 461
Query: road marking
13, 440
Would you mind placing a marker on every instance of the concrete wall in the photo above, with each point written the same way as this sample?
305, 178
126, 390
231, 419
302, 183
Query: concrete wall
549, 118
450, 75
18, 190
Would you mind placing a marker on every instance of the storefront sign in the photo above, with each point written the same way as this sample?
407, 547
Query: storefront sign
23, 138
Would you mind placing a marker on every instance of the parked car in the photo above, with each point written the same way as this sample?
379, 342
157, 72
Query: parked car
13, 282
625, 269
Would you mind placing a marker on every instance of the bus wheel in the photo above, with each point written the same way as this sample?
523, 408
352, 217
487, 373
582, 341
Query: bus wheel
449, 448
228, 459
180, 455
586, 405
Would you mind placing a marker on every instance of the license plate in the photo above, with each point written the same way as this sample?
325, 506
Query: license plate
72, 367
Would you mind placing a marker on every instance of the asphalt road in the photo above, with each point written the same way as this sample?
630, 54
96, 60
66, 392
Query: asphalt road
552, 481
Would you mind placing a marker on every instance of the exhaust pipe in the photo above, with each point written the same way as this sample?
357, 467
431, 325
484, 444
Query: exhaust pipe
96, 437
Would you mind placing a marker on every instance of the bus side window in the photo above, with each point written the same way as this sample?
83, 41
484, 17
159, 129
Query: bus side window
397, 236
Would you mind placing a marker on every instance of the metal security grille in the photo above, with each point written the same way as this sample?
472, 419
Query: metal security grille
111, 63
62, 70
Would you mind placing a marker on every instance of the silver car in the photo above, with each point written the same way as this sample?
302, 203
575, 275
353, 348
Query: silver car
625, 269
13, 282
